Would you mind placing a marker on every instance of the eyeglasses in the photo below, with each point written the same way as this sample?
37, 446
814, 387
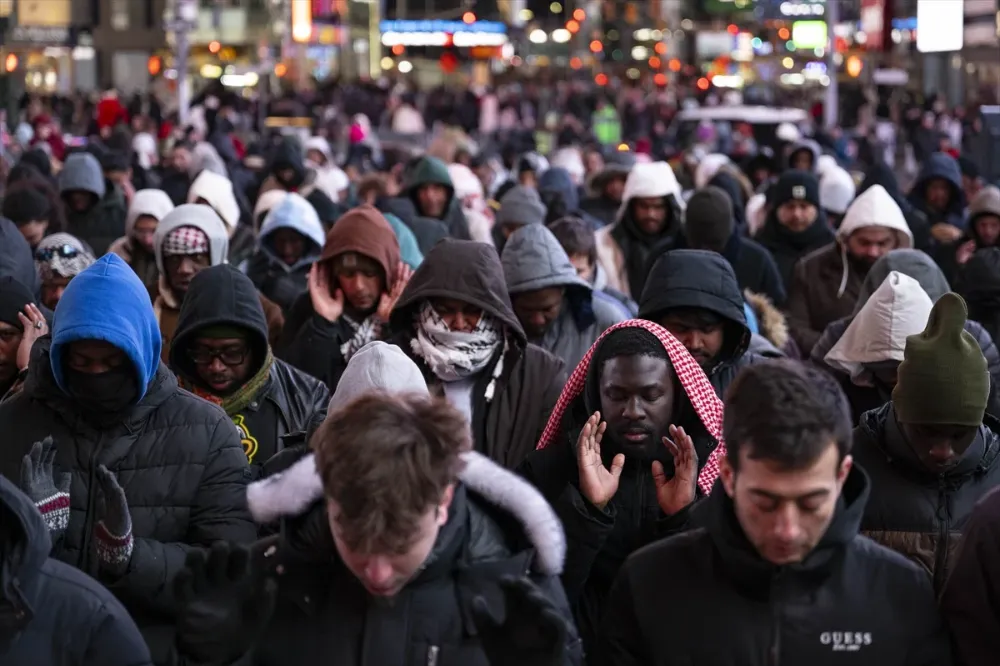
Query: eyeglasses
64, 251
230, 356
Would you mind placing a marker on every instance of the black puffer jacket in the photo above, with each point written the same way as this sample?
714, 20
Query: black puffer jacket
178, 459
912, 510
707, 597
506, 427
50, 613
286, 401
325, 616
704, 280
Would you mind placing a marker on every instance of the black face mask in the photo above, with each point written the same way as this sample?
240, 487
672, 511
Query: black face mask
109, 392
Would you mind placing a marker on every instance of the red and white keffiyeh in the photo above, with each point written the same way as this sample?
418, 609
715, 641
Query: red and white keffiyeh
692, 378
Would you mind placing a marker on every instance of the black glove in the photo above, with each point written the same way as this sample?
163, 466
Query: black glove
532, 631
223, 605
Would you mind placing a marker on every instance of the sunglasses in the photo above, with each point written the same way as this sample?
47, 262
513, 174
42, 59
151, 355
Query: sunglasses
64, 251
231, 356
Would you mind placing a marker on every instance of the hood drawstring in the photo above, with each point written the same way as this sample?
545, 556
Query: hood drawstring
497, 371
843, 279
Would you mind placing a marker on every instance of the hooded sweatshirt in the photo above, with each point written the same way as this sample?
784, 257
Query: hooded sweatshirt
330, 179
809, 146
533, 260
703, 280
311, 343
101, 224
919, 266
877, 334
985, 203
56, 613
469, 192
944, 167
200, 216
512, 396
825, 284
562, 197
219, 193
152, 203
16, 258
280, 282
623, 250
432, 171
275, 399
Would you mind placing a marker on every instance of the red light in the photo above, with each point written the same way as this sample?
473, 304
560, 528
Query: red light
573, 26
784, 33
398, 49
660, 79
733, 29
674, 65
575, 63
448, 62
449, 40
660, 48
579, 15
601, 79
655, 62
468, 17
703, 83
596, 46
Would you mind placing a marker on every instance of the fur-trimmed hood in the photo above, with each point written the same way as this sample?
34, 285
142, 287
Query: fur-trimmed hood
293, 491
772, 323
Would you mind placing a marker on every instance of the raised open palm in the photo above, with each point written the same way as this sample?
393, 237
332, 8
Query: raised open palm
597, 483
676, 493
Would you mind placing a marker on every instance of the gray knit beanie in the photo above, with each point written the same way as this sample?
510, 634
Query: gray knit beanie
521, 205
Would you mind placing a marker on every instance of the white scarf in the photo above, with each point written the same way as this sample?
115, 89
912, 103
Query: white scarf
367, 331
453, 355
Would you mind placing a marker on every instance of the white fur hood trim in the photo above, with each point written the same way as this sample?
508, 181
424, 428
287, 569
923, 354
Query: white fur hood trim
293, 491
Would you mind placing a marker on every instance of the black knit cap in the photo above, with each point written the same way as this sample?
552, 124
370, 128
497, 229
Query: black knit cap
794, 185
25, 205
708, 220
13, 297
114, 160
38, 158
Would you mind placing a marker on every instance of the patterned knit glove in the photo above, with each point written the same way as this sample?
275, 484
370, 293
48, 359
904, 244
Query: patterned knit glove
38, 483
113, 530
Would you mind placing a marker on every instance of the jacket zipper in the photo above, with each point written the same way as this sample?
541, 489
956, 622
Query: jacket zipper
941, 549
775, 659
432, 655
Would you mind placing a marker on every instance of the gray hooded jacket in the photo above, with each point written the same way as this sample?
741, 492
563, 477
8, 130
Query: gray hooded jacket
533, 259
919, 266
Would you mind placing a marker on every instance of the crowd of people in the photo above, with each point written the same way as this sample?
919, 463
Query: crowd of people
278, 404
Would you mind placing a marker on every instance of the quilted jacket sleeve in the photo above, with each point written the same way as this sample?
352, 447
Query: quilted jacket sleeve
219, 513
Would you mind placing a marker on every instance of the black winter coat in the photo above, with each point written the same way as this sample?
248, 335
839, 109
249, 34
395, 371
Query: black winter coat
506, 427
707, 597
50, 613
912, 510
177, 457
288, 401
325, 616
312, 344
703, 280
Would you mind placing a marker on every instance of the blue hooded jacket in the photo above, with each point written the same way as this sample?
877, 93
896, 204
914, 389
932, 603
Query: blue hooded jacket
944, 166
108, 302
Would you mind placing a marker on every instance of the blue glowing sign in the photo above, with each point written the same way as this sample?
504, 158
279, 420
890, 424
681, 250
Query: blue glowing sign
451, 27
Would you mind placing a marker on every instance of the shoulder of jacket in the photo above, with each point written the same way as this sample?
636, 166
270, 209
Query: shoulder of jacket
541, 361
874, 561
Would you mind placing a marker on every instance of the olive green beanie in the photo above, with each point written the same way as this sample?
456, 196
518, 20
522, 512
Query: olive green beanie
943, 379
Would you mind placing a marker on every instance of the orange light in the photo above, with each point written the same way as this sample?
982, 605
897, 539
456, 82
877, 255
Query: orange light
468, 18
575, 63
573, 26
854, 66
596, 46
579, 15
280, 69
655, 62
732, 29
154, 65
703, 83
214, 47
398, 49
10, 64
660, 48
674, 65
660, 79
601, 79
784, 33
